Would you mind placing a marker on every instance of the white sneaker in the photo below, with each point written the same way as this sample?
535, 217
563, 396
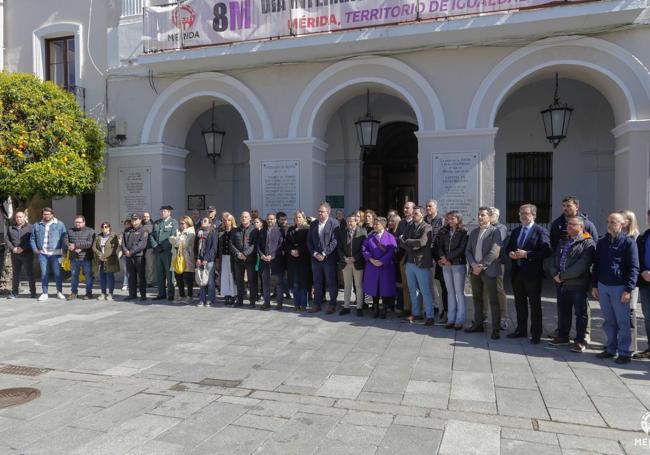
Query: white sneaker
125, 288
60, 296
109, 296
43, 297
100, 297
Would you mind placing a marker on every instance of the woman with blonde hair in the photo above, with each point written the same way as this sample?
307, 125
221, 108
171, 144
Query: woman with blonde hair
183, 259
298, 260
631, 228
224, 258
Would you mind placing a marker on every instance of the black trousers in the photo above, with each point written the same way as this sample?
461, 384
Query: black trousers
528, 292
242, 267
135, 265
270, 281
185, 279
20, 262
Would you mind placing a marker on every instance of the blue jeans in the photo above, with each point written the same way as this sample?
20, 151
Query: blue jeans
77, 265
50, 264
212, 283
106, 282
299, 296
644, 297
454, 276
617, 324
125, 272
419, 280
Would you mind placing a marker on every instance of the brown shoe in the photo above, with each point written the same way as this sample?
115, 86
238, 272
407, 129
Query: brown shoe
314, 309
330, 309
71, 297
429, 322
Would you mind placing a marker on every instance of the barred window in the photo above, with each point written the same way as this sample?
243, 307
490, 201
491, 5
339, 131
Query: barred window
529, 180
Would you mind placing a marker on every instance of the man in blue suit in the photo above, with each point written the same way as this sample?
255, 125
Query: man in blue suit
528, 246
321, 244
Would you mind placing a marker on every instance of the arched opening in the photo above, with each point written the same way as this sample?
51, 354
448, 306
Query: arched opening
224, 183
390, 170
529, 170
384, 176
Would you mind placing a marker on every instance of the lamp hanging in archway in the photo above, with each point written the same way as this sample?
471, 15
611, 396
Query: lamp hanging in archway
213, 139
367, 127
556, 118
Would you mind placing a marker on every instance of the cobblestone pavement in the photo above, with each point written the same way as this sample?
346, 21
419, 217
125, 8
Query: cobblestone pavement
157, 379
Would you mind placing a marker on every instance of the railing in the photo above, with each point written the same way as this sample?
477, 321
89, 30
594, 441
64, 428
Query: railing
132, 7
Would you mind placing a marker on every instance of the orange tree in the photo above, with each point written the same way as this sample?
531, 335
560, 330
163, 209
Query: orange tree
48, 146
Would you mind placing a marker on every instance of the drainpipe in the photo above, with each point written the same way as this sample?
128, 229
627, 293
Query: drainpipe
2, 35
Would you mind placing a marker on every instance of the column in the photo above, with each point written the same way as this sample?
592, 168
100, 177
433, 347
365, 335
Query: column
142, 178
466, 157
632, 168
287, 174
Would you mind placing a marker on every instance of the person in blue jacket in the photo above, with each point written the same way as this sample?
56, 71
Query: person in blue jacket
615, 274
47, 242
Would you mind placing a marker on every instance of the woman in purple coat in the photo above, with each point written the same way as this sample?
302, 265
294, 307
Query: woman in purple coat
379, 275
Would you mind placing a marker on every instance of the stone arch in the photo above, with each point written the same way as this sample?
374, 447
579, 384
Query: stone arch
202, 89
610, 69
328, 90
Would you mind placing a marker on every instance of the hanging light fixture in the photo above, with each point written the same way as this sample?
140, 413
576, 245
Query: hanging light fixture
367, 127
213, 139
556, 118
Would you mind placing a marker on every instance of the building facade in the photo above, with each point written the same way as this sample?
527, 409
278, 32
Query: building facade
458, 99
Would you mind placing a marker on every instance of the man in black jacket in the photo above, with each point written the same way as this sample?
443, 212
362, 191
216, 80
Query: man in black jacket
134, 245
572, 273
643, 282
79, 243
528, 246
351, 262
22, 256
271, 246
438, 288
243, 247
419, 261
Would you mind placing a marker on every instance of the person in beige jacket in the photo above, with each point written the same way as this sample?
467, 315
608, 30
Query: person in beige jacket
184, 241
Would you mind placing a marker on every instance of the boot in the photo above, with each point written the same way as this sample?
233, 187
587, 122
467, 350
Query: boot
375, 308
382, 314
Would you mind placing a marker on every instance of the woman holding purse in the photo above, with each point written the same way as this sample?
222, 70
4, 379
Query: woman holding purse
105, 260
183, 259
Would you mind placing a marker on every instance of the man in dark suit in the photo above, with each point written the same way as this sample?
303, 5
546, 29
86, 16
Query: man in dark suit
270, 246
243, 247
528, 246
482, 253
400, 257
321, 243
351, 262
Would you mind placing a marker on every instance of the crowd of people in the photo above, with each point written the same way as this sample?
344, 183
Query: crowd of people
415, 265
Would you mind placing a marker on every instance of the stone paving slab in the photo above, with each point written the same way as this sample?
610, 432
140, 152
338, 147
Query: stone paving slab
157, 379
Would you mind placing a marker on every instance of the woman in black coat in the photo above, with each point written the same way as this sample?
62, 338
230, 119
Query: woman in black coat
298, 261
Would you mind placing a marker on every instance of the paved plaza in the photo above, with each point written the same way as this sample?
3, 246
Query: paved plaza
160, 380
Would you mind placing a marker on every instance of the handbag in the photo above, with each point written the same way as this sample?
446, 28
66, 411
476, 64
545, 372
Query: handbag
66, 264
202, 276
179, 261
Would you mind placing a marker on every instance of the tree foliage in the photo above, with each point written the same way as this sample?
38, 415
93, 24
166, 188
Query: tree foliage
48, 146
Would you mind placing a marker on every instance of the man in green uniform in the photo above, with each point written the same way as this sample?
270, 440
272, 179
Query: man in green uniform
159, 241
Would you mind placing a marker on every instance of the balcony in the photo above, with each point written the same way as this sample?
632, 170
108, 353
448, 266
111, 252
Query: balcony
164, 47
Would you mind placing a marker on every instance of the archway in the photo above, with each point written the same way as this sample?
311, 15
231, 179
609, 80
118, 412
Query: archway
529, 170
390, 170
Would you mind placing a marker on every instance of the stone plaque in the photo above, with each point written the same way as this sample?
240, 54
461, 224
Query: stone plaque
455, 183
135, 191
280, 186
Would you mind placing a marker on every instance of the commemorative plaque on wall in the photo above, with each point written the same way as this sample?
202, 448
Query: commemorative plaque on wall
455, 183
280, 186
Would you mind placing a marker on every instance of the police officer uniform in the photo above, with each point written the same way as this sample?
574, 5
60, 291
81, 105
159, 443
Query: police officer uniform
163, 229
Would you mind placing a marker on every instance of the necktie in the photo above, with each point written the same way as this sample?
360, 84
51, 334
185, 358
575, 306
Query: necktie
522, 237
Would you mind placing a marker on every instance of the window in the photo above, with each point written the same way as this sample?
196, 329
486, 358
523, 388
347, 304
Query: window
60, 67
529, 180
